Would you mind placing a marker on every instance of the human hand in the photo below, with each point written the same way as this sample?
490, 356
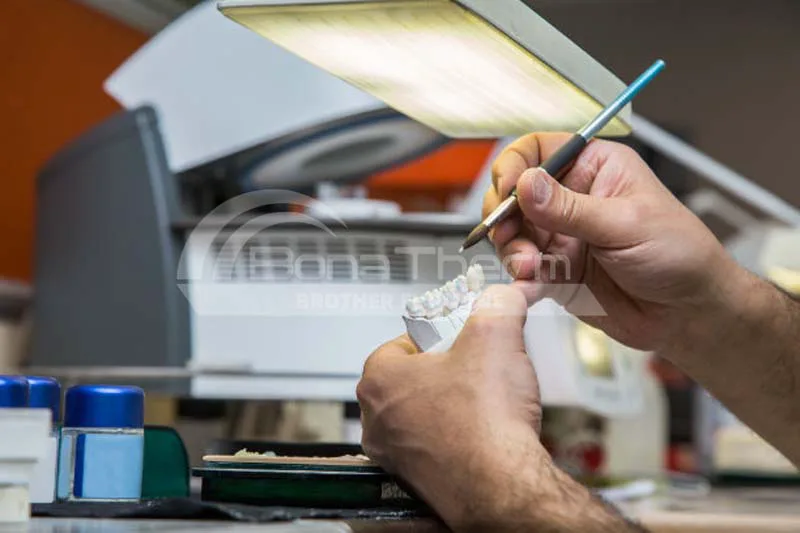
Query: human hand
458, 425
612, 226
462, 429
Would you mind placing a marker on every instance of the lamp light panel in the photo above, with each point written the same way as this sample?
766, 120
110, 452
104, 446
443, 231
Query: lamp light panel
444, 63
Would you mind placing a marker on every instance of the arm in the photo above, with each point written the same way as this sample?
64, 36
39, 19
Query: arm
745, 350
539, 497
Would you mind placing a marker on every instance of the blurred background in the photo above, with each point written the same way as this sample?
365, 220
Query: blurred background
729, 91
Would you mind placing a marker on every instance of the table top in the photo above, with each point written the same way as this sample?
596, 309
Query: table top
722, 511
744, 510
83, 525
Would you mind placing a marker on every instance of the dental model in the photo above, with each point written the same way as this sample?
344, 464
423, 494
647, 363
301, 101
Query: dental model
434, 319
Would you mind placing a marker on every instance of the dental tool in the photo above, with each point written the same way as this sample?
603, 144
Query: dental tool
558, 163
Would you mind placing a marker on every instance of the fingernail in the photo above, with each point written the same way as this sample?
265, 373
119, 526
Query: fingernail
491, 235
514, 265
542, 190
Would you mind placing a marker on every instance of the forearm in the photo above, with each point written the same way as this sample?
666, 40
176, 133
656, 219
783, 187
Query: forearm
559, 504
539, 497
746, 351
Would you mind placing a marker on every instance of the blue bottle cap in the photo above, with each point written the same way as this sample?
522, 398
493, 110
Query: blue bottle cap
44, 393
13, 391
104, 406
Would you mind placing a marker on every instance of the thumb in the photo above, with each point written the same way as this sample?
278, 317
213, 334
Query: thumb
549, 205
496, 323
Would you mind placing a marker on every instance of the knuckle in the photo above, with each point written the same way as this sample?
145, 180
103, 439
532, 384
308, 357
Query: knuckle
366, 444
363, 392
370, 448
571, 209
626, 151
481, 325
601, 151
370, 382
371, 365
379, 358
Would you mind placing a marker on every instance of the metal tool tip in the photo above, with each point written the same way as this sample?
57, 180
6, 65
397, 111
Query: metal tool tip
461, 250
478, 234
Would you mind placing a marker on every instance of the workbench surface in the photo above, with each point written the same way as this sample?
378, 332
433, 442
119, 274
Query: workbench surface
729, 511
64, 525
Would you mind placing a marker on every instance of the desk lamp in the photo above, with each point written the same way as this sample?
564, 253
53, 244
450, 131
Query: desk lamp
466, 68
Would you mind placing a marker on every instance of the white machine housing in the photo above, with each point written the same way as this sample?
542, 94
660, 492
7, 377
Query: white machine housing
294, 313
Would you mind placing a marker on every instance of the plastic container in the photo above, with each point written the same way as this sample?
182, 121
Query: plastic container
26, 433
45, 393
13, 392
102, 444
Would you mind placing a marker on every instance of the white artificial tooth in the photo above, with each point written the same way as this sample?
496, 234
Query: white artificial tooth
433, 303
436, 297
415, 308
462, 288
475, 278
451, 296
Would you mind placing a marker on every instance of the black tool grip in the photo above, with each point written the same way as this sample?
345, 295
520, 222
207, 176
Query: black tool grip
557, 163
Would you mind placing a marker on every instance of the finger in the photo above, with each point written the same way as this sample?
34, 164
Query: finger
603, 222
564, 261
402, 346
383, 366
521, 258
536, 290
512, 227
505, 232
533, 290
490, 202
524, 153
541, 237
496, 323
506, 229
582, 173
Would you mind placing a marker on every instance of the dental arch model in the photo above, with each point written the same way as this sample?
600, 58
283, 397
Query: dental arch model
435, 319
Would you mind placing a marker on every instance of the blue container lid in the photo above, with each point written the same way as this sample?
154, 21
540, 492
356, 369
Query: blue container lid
104, 406
13, 391
44, 393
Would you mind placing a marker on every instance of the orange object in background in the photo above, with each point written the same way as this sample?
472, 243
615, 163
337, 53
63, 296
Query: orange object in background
430, 183
55, 56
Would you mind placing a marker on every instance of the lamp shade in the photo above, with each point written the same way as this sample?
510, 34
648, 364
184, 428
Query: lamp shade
220, 91
467, 68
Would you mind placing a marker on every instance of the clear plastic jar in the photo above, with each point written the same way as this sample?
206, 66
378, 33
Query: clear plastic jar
102, 444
